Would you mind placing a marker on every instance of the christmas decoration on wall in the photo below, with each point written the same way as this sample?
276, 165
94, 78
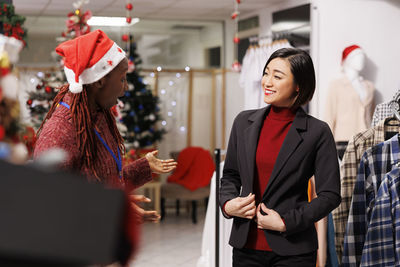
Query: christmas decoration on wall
77, 21
41, 99
235, 16
140, 111
128, 8
11, 23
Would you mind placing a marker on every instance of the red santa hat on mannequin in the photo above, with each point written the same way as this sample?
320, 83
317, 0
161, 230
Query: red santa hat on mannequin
348, 50
89, 58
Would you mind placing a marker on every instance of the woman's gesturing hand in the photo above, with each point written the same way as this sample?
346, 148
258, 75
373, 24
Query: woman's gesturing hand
271, 220
159, 165
144, 215
244, 207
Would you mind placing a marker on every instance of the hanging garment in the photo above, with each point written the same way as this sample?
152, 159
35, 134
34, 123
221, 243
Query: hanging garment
207, 258
348, 172
383, 110
382, 243
345, 113
341, 148
332, 259
374, 164
252, 71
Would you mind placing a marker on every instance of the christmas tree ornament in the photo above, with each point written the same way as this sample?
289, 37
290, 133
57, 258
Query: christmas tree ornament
29, 102
48, 89
234, 15
77, 21
129, 6
236, 66
236, 39
125, 37
12, 24
131, 66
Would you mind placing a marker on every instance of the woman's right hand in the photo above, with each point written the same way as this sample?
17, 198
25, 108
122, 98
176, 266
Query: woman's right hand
244, 207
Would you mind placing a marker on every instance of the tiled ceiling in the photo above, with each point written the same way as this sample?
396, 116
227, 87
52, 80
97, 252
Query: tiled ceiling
145, 9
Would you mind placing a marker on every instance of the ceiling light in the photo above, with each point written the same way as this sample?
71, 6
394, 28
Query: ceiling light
111, 21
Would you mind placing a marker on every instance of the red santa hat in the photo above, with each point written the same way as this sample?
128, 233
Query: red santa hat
89, 58
348, 50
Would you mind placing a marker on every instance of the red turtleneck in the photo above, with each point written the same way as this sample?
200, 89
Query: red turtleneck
273, 132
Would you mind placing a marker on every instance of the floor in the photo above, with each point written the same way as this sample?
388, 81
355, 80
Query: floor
174, 242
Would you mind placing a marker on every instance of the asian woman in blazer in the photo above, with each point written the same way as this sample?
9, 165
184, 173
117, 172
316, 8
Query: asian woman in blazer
272, 154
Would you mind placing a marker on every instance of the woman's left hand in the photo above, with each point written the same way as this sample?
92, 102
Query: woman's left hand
159, 165
271, 221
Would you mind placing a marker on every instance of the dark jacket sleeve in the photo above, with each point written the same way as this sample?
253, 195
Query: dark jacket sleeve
230, 182
327, 183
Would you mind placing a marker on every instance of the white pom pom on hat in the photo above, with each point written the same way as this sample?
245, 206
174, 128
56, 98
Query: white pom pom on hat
89, 58
75, 88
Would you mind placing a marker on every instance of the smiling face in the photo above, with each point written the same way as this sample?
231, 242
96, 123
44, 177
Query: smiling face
114, 86
278, 84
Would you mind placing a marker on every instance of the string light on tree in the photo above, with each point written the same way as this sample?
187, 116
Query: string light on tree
140, 111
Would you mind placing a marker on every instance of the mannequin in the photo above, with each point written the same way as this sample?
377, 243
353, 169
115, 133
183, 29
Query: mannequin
350, 104
352, 65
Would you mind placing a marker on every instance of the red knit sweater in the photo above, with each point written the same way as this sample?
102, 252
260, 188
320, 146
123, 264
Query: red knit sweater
59, 132
273, 132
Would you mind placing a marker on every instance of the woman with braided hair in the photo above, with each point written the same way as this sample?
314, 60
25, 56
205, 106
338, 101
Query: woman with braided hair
80, 122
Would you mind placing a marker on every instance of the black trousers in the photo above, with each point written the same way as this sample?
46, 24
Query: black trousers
244, 257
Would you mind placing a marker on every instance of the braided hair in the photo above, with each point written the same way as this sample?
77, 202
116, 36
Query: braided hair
84, 126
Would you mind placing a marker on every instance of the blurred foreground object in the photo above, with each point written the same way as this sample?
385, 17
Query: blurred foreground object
59, 219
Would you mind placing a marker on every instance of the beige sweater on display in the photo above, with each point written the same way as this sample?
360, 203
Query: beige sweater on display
345, 113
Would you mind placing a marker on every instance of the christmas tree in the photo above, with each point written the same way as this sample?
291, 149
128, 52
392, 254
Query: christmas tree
40, 101
11, 23
140, 111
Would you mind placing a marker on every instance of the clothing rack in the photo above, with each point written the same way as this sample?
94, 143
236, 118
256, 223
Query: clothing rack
278, 35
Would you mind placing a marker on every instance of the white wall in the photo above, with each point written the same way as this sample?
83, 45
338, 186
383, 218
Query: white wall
372, 24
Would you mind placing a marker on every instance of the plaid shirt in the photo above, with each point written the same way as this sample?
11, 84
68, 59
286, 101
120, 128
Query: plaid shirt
348, 172
375, 163
382, 247
385, 110
382, 111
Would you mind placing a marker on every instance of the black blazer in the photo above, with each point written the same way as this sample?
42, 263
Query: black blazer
308, 149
